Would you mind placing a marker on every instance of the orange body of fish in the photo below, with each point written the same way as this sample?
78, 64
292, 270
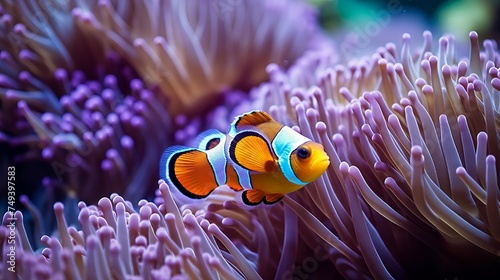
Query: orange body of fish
258, 156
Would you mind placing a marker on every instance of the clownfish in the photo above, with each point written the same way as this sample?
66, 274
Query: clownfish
258, 156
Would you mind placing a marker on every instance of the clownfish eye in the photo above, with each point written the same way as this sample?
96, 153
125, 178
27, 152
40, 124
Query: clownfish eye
303, 153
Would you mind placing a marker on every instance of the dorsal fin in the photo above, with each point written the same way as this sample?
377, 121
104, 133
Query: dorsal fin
252, 118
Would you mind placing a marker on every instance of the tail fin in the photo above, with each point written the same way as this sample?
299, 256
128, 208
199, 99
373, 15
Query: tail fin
189, 170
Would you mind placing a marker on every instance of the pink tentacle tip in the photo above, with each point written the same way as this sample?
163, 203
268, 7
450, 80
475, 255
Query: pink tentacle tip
45, 239
433, 60
473, 35
354, 172
272, 69
428, 90
23, 106
446, 70
107, 232
54, 244
105, 204
196, 241
20, 29
187, 252
426, 65
19, 216
427, 35
490, 160
107, 165
58, 207
316, 92
461, 172
214, 229
462, 120
170, 217
186, 212
46, 252
443, 41
311, 113
493, 72
92, 241
145, 212
321, 127
416, 151
120, 209
407, 37
482, 137
140, 43
228, 222
344, 168
61, 74
393, 120
159, 40
115, 248
162, 234
24, 199
389, 181
495, 82
420, 82
81, 205
478, 85
300, 108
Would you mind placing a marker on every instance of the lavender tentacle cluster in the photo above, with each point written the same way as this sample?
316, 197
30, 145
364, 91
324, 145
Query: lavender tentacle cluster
195, 50
98, 139
414, 142
115, 241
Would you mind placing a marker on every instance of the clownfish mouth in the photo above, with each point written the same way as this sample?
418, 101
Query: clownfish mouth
321, 163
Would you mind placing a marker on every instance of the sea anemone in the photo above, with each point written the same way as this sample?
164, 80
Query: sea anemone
40, 46
155, 242
107, 138
196, 49
413, 183
413, 140
37, 39
39, 42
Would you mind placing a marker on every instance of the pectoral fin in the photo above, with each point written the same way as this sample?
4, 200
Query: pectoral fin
251, 150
